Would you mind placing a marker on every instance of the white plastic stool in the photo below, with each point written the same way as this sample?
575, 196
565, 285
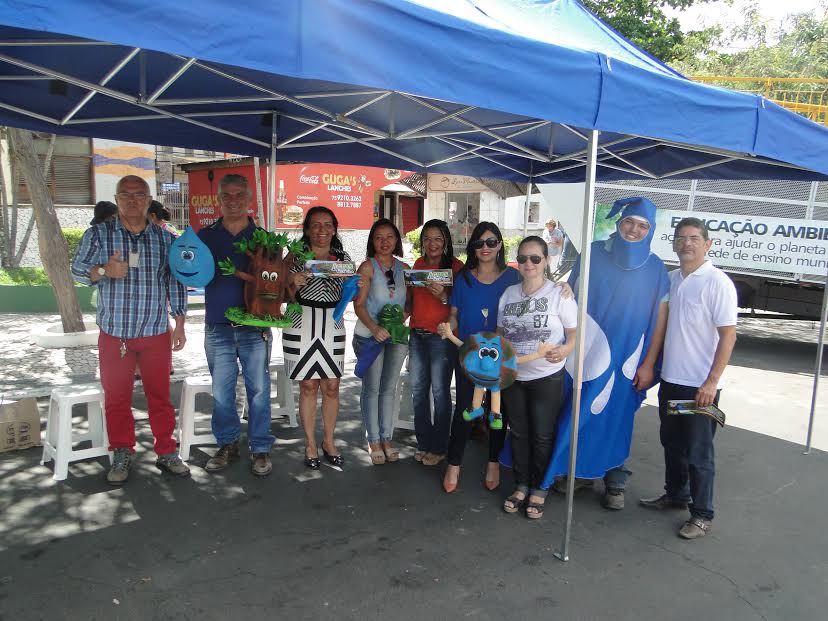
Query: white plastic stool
281, 391
60, 440
187, 435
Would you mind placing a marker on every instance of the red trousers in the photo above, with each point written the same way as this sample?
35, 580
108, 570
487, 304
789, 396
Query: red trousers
153, 356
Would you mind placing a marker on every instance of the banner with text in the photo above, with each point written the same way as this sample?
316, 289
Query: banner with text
748, 242
347, 190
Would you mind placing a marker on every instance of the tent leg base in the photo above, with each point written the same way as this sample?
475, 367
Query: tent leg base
561, 556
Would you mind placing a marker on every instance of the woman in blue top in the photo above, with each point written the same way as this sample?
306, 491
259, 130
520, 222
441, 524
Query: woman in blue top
474, 298
379, 384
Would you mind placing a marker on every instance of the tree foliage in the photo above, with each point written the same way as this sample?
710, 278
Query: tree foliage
645, 23
797, 47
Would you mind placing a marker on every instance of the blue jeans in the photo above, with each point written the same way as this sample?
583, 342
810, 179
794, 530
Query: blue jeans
432, 364
226, 346
617, 478
688, 452
379, 387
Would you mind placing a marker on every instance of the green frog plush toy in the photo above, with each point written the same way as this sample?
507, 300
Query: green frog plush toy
391, 318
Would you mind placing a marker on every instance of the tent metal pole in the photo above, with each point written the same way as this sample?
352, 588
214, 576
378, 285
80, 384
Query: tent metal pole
818, 371
258, 180
528, 199
583, 290
271, 182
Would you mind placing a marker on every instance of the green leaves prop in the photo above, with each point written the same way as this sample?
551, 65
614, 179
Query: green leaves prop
239, 316
227, 268
270, 242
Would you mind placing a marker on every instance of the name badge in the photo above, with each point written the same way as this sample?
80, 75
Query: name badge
133, 259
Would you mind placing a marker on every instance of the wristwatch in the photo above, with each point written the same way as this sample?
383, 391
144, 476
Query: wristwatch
101, 271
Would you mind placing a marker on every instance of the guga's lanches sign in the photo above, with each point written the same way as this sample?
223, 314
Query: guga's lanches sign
347, 190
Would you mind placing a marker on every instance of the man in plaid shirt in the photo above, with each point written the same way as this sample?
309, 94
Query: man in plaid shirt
126, 258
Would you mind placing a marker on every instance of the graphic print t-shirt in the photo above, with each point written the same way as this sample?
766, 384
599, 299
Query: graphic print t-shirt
529, 320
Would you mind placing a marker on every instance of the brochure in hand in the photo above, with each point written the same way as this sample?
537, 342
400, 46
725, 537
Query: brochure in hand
330, 269
424, 278
688, 408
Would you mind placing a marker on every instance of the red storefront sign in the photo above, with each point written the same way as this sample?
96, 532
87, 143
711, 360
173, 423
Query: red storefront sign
347, 190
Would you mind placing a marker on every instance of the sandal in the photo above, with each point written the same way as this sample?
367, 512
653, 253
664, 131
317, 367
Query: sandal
377, 456
419, 455
392, 454
432, 459
534, 510
513, 503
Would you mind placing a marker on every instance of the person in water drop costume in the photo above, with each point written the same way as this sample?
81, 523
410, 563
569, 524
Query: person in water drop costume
624, 331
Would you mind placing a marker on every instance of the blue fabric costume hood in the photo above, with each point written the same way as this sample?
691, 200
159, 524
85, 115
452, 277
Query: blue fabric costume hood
626, 254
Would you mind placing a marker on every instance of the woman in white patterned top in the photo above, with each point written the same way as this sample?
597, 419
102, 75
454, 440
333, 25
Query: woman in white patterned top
314, 345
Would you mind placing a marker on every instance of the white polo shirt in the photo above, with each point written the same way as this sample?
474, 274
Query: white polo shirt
699, 304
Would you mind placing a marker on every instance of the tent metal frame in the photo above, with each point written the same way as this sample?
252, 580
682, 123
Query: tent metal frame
346, 130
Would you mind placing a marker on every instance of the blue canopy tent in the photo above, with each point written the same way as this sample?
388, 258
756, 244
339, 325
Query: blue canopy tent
524, 90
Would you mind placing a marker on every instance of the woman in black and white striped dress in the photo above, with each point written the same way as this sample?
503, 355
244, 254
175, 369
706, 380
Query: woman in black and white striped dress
314, 346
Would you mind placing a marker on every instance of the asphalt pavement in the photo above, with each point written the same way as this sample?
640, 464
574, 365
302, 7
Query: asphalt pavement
387, 542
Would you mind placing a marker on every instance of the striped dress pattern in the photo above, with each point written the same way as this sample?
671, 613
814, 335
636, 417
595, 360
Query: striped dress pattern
314, 346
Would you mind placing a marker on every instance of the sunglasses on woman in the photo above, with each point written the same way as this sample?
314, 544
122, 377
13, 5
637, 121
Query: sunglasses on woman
389, 281
491, 242
523, 258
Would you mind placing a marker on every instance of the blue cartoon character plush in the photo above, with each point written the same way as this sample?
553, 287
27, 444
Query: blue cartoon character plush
191, 262
489, 361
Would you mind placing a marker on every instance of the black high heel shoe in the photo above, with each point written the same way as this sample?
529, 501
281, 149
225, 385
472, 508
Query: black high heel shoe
313, 463
334, 460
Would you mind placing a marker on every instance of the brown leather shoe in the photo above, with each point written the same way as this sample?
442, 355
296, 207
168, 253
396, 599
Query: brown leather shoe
694, 528
660, 503
222, 459
261, 466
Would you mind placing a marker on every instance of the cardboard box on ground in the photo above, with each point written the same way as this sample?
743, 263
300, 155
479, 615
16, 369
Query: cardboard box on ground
19, 425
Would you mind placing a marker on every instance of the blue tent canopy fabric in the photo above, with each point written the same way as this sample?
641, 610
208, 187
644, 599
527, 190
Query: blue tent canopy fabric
489, 88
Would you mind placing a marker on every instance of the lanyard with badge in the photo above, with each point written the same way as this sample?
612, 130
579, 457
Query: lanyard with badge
133, 260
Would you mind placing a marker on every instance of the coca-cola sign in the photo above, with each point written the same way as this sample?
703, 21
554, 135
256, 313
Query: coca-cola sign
309, 179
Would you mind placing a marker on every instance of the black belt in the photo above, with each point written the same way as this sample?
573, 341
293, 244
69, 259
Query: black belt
423, 331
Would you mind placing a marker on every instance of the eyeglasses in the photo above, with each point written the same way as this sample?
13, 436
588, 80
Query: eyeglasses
491, 242
523, 258
692, 239
125, 196
389, 281
436, 240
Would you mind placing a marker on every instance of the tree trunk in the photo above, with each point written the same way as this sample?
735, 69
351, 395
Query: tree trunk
54, 252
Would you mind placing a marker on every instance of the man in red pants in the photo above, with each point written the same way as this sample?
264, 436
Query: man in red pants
126, 258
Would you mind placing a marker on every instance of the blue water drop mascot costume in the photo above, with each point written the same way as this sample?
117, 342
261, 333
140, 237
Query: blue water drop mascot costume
191, 261
627, 285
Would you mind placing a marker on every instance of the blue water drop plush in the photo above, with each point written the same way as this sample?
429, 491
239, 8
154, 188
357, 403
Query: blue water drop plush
191, 262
